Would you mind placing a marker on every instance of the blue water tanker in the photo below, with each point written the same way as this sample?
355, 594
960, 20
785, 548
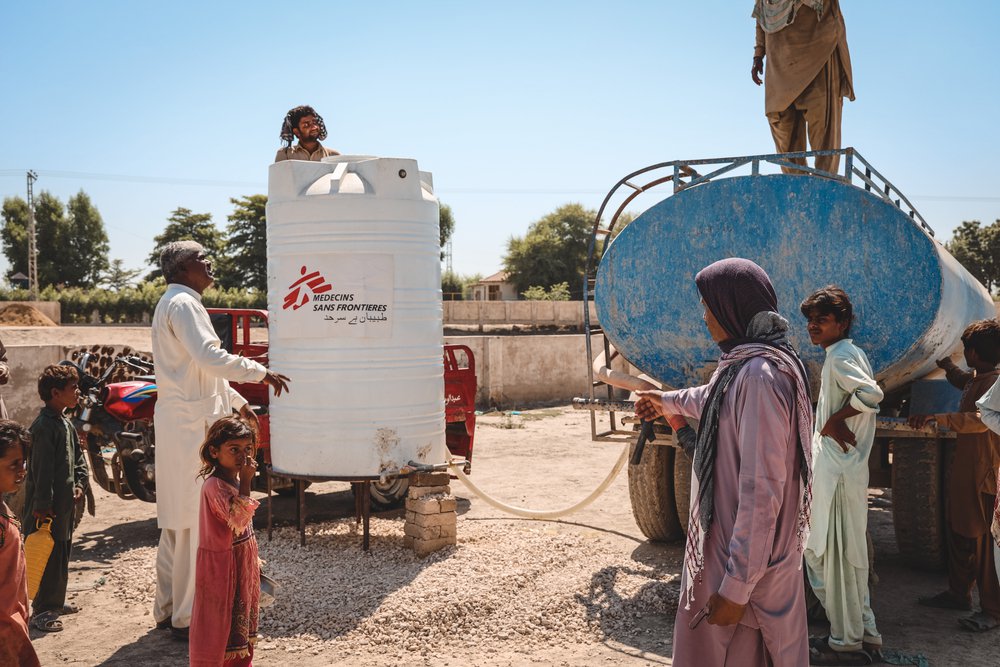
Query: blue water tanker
809, 229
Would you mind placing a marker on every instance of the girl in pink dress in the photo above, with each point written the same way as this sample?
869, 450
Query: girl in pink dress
227, 574
15, 644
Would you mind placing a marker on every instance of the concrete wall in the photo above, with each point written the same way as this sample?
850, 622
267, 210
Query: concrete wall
26, 363
538, 313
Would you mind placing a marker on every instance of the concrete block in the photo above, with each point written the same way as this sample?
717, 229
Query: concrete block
449, 504
423, 505
429, 520
422, 532
424, 547
429, 479
448, 531
417, 492
407, 542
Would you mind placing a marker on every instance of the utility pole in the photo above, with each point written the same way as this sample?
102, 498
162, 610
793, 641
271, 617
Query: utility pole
32, 249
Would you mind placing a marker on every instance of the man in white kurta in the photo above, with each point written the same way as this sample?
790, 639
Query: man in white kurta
836, 553
192, 373
989, 411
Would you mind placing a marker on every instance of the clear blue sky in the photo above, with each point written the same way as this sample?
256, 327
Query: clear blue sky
516, 107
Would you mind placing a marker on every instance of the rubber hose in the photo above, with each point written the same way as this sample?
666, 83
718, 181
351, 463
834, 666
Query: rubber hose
542, 514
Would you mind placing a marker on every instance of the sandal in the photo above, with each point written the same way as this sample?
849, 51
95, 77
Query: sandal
945, 600
69, 608
831, 657
47, 621
979, 622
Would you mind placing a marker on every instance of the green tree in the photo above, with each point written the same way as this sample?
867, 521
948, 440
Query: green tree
246, 246
553, 251
977, 248
446, 226
117, 278
84, 256
558, 292
183, 225
51, 235
14, 234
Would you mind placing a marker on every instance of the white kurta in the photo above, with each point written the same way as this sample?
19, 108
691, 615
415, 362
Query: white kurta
192, 371
837, 551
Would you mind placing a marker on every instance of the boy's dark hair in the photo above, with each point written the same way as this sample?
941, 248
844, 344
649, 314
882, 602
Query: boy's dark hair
983, 336
12, 433
830, 300
55, 376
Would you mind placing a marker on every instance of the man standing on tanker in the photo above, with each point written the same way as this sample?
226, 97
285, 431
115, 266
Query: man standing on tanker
304, 124
192, 373
807, 76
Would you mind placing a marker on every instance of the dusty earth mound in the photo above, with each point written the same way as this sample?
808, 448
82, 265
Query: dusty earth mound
21, 315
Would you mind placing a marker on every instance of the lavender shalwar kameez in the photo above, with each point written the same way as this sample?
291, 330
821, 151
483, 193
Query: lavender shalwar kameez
752, 553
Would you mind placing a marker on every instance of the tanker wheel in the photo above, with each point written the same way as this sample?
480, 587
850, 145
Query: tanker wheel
651, 491
98, 467
138, 484
682, 487
918, 466
389, 494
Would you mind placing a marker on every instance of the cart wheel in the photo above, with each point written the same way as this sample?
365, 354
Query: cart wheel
918, 467
389, 494
651, 490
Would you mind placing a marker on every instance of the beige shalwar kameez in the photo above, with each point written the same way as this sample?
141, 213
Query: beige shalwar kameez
807, 74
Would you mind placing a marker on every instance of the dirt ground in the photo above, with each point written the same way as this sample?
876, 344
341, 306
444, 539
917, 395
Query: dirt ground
609, 592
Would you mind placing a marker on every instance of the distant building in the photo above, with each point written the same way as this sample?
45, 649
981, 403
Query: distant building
18, 280
494, 288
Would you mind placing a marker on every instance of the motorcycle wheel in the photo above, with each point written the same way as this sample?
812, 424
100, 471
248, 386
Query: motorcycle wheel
141, 489
98, 467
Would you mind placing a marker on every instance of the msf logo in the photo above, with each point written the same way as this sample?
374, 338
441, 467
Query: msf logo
299, 291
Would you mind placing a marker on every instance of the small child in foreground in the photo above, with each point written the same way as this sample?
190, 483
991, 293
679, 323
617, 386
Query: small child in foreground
227, 572
58, 478
15, 643
836, 554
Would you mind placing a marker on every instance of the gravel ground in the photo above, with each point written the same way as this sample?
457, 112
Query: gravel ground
588, 590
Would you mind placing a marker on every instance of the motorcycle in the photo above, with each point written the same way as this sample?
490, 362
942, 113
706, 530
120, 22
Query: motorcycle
116, 421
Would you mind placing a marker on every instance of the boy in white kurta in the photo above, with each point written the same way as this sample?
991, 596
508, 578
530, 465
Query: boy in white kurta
836, 553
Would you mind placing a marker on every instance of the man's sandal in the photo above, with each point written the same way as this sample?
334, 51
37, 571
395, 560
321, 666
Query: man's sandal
69, 608
979, 622
47, 621
820, 653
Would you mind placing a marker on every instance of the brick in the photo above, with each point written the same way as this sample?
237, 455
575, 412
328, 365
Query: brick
411, 517
446, 519
449, 504
407, 542
423, 506
429, 479
422, 532
448, 531
423, 491
425, 547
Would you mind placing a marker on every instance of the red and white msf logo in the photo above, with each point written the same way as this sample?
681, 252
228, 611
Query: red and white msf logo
299, 291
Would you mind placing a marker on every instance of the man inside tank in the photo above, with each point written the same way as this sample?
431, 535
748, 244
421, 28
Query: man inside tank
304, 124
807, 77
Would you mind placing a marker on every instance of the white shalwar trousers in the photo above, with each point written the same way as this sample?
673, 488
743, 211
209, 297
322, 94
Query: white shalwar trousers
175, 580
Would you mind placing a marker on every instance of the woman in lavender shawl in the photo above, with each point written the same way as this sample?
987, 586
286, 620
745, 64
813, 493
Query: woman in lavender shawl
750, 489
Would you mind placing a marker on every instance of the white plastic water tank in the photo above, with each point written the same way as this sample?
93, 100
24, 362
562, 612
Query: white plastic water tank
354, 302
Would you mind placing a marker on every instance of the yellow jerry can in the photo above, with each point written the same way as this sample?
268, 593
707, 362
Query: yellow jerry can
37, 549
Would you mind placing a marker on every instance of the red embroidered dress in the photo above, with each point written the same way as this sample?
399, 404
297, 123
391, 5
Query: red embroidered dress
227, 593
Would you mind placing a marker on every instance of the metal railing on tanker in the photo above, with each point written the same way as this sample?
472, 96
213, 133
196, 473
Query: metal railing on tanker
682, 175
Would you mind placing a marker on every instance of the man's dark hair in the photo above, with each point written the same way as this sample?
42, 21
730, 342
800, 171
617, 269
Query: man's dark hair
12, 433
983, 336
292, 119
831, 300
54, 376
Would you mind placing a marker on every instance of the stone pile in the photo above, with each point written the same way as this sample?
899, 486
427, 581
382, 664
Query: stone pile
431, 517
